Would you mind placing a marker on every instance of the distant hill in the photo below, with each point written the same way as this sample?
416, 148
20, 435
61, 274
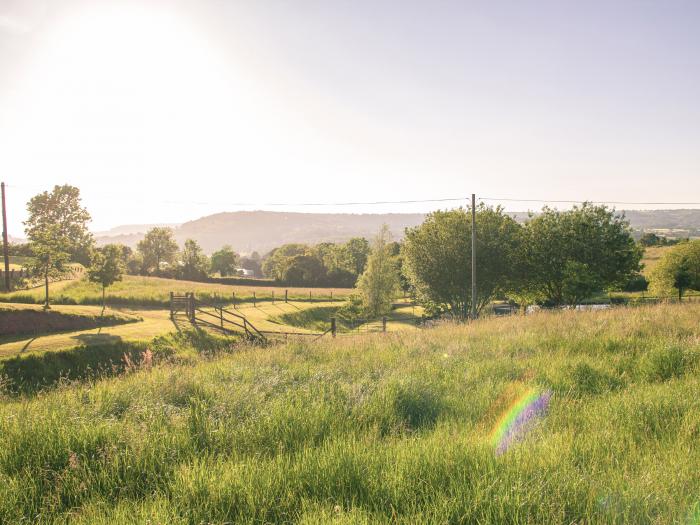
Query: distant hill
260, 231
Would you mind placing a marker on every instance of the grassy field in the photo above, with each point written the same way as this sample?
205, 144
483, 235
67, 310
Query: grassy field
651, 257
385, 428
153, 291
152, 322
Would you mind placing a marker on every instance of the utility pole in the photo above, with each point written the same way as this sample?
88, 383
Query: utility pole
4, 240
473, 256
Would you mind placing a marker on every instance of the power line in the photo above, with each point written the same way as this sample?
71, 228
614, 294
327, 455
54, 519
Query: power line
384, 202
579, 201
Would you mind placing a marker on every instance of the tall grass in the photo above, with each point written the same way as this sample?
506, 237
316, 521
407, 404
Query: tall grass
390, 428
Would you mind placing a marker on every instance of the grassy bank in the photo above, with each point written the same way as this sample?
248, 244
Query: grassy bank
385, 428
32, 320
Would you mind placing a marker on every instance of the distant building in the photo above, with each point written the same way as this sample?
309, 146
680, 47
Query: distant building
245, 272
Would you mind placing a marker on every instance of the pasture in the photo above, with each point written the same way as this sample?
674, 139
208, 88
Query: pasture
138, 291
383, 428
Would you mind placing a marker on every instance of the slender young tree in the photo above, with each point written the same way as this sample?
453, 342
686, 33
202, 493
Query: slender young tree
379, 283
56, 227
106, 267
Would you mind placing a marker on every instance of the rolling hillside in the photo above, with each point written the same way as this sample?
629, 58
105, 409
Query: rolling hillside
260, 231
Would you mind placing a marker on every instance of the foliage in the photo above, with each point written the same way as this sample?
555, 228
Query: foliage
252, 262
275, 263
193, 263
386, 429
379, 283
437, 257
636, 283
158, 250
568, 255
303, 269
57, 226
224, 261
652, 239
326, 263
678, 269
107, 267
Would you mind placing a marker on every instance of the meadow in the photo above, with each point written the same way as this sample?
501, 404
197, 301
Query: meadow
383, 428
141, 291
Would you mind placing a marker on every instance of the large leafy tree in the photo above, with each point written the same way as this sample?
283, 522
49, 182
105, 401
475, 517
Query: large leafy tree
194, 263
379, 283
158, 248
275, 263
569, 255
305, 269
107, 266
56, 227
437, 257
224, 261
678, 270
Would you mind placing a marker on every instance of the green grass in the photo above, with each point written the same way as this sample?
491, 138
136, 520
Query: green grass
141, 291
386, 428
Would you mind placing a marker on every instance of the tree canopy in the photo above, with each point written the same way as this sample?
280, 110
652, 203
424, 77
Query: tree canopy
678, 270
224, 261
158, 249
379, 283
56, 227
193, 263
107, 266
569, 255
437, 257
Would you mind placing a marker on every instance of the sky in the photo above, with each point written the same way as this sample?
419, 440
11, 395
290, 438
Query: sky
165, 111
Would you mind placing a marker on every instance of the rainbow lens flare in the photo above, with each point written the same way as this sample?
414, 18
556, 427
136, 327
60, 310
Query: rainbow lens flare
515, 421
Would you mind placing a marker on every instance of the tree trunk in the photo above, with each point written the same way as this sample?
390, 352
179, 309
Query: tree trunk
46, 290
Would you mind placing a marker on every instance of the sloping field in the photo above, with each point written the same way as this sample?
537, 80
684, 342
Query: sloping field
155, 292
142, 325
563, 417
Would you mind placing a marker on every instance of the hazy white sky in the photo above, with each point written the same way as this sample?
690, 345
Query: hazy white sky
164, 111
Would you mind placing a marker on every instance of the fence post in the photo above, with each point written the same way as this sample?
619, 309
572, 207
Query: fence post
172, 314
331, 295
333, 326
285, 295
221, 316
384, 324
254, 302
234, 299
273, 297
309, 295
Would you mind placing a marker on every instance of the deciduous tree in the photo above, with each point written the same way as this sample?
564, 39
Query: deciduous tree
107, 267
194, 263
379, 283
56, 227
158, 248
678, 270
224, 261
437, 258
569, 255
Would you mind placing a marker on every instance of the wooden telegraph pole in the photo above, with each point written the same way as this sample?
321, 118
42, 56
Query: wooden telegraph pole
4, 240
473, 256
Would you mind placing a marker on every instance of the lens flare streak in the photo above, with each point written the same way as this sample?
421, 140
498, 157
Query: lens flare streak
515, 422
